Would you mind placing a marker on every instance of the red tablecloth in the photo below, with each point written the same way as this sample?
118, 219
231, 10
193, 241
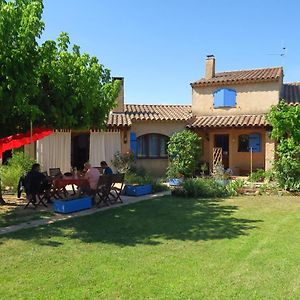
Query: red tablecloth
62, 182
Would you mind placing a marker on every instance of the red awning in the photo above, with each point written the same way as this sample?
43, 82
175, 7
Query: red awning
21, 139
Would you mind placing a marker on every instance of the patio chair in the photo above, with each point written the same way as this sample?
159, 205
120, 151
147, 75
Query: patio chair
55, 172
104, 189
117, 187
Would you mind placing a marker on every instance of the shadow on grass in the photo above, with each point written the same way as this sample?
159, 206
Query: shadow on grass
148, 222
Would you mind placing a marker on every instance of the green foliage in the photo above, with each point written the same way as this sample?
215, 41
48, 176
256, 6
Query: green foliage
76, 91
184, 149
18, 165
235, 186
285, 121
157, 184
258, 175
123, 161
20, 26
201, 187
50, 84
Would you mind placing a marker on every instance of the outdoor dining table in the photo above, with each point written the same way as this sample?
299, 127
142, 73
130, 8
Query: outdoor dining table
61, 183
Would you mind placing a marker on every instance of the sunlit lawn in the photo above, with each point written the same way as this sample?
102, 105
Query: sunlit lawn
168, 248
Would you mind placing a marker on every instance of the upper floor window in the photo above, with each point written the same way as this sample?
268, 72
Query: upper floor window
248, 142
152, 145
224, 98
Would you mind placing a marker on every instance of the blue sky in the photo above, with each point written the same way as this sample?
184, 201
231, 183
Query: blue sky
160, 46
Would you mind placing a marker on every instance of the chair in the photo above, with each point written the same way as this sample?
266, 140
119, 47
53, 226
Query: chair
116, 190
37, 199
55, 172
104, 189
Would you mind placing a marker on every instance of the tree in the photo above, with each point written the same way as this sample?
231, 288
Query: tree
48, 85
285, 121
20, 25
184, 149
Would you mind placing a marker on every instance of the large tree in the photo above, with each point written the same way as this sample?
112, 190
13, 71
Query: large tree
49, 84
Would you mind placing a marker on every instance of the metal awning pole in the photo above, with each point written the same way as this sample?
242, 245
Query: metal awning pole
30, 132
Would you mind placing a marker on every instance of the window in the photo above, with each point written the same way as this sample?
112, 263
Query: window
224, 98
246, 142
152, 146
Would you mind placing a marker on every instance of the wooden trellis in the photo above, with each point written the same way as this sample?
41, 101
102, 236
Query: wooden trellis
217, 157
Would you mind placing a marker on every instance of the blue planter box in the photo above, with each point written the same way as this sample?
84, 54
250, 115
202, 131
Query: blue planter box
68, 206
138, 190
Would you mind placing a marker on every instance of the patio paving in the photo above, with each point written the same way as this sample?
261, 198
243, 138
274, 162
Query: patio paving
60, 217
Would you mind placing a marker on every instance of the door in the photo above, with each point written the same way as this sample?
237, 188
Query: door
222, 141
80, 149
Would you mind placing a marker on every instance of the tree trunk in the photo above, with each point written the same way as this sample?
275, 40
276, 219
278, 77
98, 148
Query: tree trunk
1, 198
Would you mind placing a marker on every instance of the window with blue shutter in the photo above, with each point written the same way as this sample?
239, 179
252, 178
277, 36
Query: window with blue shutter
246, 142
133, 144
224, 98
152, 145
254, 142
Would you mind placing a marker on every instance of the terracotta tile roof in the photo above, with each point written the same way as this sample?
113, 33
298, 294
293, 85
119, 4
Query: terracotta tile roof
291, 93
266, 74
158, 112
228, 121
118, 120
147, 112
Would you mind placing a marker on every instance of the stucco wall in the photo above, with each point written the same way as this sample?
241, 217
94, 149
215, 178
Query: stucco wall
253, 98
156, 166
239, 162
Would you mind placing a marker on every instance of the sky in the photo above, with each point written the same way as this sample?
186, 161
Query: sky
160, 46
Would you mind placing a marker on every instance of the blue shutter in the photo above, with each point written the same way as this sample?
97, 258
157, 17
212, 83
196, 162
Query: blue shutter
219, 98
229, 97
254, 142
133, 144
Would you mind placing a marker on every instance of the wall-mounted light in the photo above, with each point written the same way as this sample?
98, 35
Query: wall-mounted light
125, 137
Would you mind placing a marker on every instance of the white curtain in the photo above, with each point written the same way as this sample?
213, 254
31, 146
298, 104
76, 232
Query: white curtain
103, 146
54, 151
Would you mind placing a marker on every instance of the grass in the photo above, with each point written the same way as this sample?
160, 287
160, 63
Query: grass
168, 248
14, 213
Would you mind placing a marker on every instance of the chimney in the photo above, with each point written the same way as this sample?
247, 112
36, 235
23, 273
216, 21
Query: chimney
210, 67
120, 99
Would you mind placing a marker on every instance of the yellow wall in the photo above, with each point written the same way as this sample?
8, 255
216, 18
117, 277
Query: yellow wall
155, 166
239, 162
252, 98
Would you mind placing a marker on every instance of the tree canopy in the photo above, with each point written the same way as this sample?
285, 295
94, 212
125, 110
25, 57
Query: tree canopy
50, 84
285, 121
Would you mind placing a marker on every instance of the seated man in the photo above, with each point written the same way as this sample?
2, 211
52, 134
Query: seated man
106, 169
92, 175
36, 182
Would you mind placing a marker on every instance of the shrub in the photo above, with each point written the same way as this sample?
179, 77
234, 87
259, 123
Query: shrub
184, 149
18, 165
257, 176
235, 186
157, 184
201, 187
123, 161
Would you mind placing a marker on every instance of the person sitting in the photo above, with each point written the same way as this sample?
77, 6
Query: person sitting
106, 169
92, 175
36, 182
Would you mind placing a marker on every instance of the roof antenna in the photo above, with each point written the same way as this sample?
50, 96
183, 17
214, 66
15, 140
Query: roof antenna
282, 54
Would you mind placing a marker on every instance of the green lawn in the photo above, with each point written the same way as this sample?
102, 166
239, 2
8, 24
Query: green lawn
168, 248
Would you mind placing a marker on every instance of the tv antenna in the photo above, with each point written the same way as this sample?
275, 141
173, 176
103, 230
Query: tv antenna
282, 54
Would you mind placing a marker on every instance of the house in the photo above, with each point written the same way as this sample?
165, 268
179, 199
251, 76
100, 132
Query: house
228, 111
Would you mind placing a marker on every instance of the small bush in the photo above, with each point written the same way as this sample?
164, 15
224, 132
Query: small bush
257, 176
235, 186
123, 161
18, 165
157, 184
202, 187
